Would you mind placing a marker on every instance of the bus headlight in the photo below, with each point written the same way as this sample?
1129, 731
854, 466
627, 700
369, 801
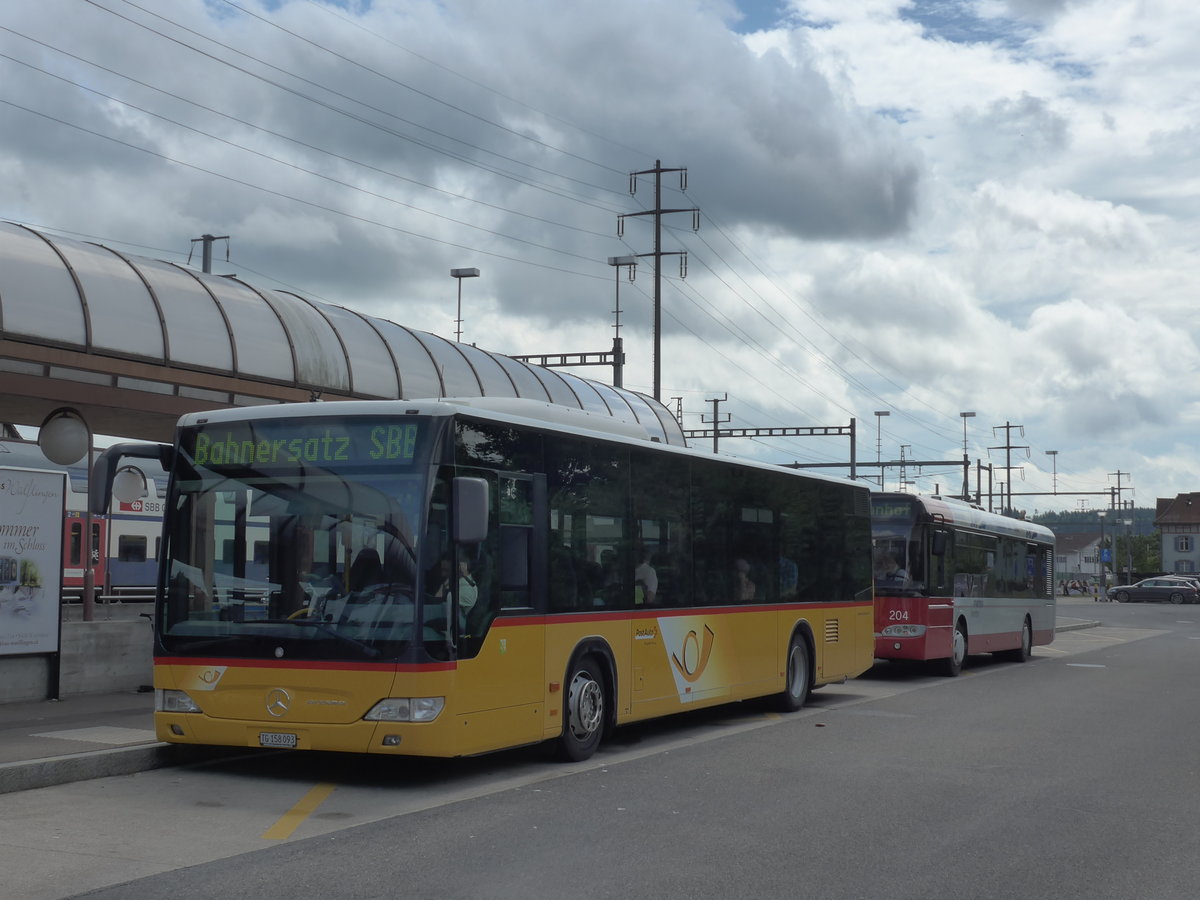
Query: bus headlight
904, 631
175, 702
406, 709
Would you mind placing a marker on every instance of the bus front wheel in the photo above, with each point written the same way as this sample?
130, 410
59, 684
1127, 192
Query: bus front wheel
953, 664
583, 712
796, 688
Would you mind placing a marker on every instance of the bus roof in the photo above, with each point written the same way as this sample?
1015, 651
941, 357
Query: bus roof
959, 512
508, 410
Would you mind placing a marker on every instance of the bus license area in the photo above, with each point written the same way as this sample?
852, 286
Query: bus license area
899, 617
277, 740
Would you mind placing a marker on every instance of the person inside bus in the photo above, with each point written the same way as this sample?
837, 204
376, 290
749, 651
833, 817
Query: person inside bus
744, 589
888, 572
399, 560
645, 581
564, 576
468, 591
366, 569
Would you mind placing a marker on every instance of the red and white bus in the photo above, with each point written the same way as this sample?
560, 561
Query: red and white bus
952, 579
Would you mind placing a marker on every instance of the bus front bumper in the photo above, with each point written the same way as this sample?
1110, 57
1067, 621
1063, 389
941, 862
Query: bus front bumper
933, 642
397, 738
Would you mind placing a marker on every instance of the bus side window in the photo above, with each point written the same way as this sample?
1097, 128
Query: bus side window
588, 495
514, 564
662, 545
941, 548
515, 541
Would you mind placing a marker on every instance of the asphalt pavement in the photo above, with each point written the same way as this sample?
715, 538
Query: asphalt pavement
49, 742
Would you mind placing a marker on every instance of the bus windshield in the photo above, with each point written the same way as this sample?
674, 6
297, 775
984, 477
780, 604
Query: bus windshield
296, 538
897, 546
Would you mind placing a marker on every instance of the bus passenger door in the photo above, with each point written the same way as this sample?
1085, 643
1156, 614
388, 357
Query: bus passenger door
500, 677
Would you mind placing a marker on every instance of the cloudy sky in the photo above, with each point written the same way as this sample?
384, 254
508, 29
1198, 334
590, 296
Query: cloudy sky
923, 207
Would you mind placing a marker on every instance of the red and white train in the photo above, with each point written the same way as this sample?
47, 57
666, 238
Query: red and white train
125, 542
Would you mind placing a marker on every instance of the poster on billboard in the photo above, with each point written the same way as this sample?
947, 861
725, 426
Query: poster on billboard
32, 505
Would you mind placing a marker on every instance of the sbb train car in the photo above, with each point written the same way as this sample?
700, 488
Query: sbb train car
125, 541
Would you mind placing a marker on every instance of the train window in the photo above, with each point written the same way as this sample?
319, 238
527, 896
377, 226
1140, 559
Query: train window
75, 553
131, 548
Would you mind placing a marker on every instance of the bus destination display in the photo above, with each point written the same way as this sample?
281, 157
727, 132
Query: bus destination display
891, 509
293, 442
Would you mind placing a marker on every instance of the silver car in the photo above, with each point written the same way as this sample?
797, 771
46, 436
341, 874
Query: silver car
1165, 587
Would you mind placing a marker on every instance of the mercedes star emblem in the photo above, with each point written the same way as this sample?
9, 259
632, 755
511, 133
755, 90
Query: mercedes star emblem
278, 702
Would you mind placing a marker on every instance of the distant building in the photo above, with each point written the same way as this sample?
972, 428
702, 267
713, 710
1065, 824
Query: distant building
1075, 556
1178, 523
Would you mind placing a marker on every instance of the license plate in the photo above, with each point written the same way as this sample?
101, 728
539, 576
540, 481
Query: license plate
276, 739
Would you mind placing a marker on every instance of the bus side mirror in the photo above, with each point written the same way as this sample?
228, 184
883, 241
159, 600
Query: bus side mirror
104, 471
469, 497
938, 545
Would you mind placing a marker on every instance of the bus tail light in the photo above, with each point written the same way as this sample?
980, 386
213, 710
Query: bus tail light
406, 709
175, 702
904, 631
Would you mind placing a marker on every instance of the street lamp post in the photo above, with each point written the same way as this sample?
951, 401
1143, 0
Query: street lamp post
618, 347
1128, 550
879, 414
459, 275
1100, 556
966, 491
66, 437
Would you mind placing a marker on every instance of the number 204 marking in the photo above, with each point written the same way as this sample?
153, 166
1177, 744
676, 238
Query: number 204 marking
898, 615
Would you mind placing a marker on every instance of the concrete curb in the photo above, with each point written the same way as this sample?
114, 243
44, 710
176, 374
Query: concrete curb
54, 770
25, 776
1077, 625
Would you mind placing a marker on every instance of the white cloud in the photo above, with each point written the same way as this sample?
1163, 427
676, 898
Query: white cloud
921, 207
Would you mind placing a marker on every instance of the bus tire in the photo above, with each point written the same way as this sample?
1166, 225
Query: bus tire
798, 678
1025, 651
953, 663
583, 710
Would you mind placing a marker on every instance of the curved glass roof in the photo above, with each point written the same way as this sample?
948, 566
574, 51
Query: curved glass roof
85, 297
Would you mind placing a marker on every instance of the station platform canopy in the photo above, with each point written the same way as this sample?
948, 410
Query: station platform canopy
133, 343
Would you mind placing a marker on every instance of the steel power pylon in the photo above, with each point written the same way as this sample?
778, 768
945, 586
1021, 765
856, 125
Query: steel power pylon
658, 253
207, 241
783, 431
569, 360
1008, 447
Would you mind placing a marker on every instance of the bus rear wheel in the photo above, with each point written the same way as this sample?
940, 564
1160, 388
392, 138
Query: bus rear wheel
583, 713
953, 663
798, 683
1025, 651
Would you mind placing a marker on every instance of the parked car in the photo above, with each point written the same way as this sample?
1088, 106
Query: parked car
1190, 579
1171, 588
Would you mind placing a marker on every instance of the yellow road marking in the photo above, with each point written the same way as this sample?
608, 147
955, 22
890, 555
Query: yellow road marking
290, 820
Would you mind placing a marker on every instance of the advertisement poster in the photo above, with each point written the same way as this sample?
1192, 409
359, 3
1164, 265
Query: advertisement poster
32, 505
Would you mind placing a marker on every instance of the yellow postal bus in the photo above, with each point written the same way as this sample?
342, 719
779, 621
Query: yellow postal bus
444, 578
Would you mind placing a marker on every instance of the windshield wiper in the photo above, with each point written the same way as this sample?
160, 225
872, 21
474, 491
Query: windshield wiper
205, 643
367, 649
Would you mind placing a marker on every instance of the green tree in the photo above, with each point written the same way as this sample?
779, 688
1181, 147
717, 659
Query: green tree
1147, 554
